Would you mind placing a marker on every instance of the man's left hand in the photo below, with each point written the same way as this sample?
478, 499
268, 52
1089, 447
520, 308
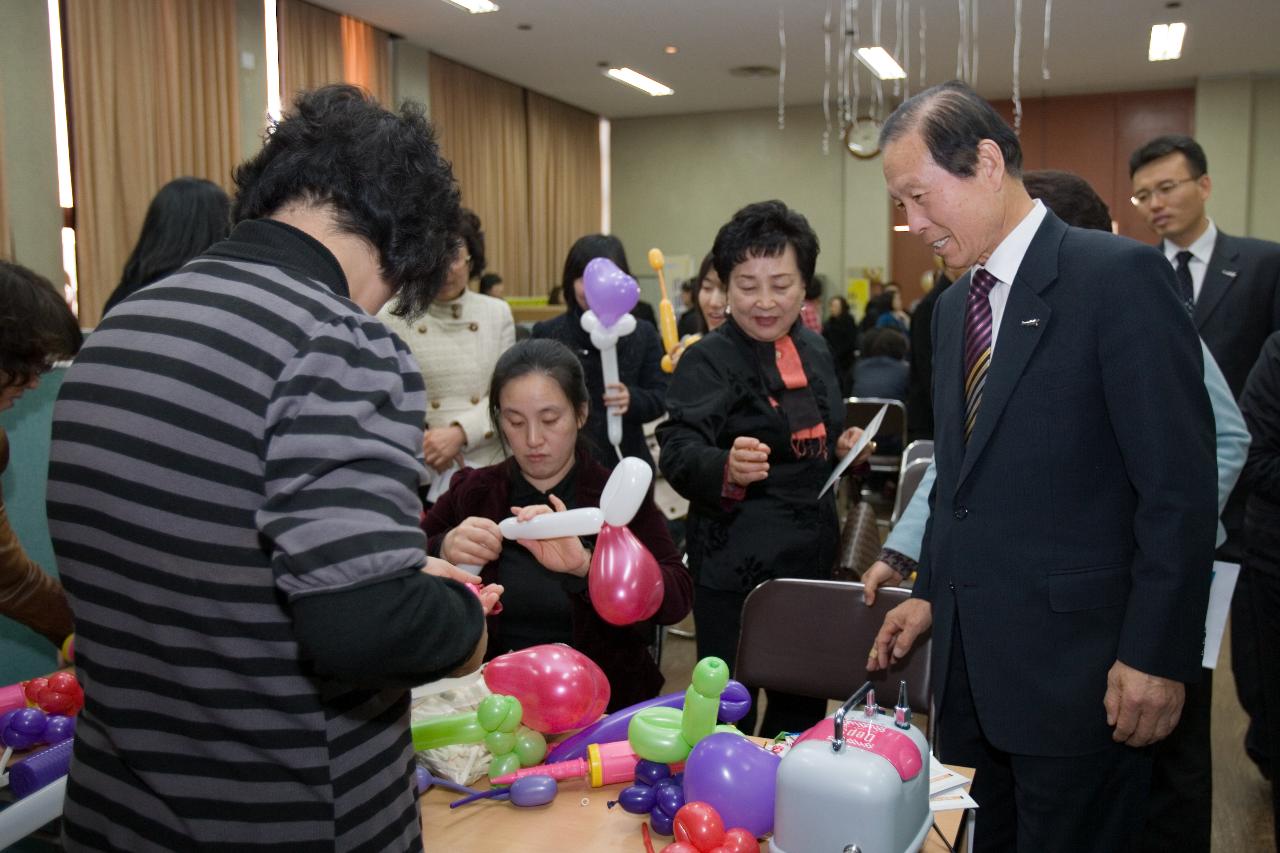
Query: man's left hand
1142, 708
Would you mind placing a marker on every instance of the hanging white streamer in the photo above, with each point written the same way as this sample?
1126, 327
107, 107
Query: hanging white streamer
1017, 62
826, 82
842, 79
782, 71
906, 49
960, 48
1044, 56
897, 44
973, 43
875, 38
853, 65
923, 53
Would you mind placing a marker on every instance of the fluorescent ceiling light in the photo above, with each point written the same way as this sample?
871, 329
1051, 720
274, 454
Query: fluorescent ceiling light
881, 63
641, 82
475, 7
1166, 42
902, 228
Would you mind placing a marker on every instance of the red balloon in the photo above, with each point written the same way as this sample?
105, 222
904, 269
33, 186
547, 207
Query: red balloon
625, 582
560, 688
680, 847
699, 824
739, 840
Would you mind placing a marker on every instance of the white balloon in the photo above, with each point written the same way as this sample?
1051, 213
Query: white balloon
603, 339
626, 325
625, 491
552, 525
589, 321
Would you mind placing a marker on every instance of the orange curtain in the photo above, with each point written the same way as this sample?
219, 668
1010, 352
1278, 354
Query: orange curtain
318, 47
564, 183
483, 132
153, 96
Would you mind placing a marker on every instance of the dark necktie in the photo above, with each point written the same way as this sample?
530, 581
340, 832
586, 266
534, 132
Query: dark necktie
1186, 290
977, 344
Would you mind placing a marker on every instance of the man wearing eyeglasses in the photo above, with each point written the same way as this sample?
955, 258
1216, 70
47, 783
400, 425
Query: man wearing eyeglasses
1231, 287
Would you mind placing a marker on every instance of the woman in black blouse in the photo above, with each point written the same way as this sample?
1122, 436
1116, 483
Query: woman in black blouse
755, 428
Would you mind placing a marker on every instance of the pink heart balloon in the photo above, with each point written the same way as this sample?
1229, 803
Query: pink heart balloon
625, 582
559, 687
610, 292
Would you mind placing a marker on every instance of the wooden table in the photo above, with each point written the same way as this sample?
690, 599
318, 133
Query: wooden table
566, 825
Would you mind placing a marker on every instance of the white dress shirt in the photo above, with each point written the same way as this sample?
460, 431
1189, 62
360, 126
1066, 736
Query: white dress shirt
1004, 263
1201, 250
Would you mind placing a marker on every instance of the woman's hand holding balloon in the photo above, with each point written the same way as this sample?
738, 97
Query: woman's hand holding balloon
848, 439
561, 554
474, 542
748, 461
617, 398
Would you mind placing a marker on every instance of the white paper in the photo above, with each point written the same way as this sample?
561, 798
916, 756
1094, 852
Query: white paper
955, 799
944, 779
1215, 620
868, 433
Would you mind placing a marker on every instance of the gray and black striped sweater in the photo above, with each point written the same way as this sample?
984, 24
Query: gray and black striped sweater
237, 445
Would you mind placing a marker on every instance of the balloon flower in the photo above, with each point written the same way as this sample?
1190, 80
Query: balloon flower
699, 828
496, 723
611, 294
625, 583
667, 735
59, 693
23, 728
559, 688
656, 792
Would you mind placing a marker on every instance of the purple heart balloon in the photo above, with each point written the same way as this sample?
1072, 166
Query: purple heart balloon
610, 292
738, 778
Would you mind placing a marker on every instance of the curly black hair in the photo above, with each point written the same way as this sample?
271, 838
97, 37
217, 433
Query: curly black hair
36, 326
472, 236
381, 171
765, 229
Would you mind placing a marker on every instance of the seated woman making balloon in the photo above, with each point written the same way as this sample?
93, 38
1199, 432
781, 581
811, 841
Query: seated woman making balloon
756, 426
538, 401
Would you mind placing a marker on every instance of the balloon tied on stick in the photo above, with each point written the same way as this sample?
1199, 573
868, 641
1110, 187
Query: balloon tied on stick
611, 294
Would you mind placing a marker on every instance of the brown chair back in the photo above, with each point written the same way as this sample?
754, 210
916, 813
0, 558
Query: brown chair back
812, 637
859, 543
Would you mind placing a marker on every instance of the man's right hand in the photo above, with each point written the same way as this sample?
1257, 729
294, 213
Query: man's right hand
902, 625
880, 574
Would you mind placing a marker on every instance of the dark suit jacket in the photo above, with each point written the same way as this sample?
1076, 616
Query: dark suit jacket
1239, 306
1077, 526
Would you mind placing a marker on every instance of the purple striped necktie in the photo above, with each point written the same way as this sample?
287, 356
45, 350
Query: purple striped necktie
977, 344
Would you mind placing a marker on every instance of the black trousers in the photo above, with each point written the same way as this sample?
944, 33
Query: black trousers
1180, 808
1264, 600
717, 618
1042, 804
1247, 666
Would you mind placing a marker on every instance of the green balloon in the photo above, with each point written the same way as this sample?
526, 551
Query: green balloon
503, 764
655, 735
447, 731
515, 713
711, 677
491, 711
500, 743
531, 747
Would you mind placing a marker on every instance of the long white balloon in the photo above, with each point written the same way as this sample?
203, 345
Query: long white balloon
605, 339
625, 491
552, 525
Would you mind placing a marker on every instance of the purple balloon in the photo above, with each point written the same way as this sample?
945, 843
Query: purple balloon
528, 791
737, 778
661, 822
650, 772
668, 798
29, 721
59, 727
636, 799
613, 728
610, 292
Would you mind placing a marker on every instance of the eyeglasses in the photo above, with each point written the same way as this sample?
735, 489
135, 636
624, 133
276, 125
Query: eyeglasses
1162, 189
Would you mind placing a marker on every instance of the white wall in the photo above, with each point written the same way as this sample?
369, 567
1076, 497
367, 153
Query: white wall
1238, 122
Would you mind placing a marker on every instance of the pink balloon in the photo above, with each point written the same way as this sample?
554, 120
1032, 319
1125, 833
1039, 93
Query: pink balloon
625, 582
610, 292
560, 688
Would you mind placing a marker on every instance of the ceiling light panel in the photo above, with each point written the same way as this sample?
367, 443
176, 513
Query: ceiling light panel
645, 84
1166, 42
881, 63
475, 7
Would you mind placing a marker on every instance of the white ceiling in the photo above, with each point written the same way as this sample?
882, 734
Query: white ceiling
1096, 45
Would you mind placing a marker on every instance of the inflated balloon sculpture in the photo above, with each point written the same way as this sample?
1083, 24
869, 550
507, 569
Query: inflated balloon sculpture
655, 792
611, 294
59, 693
735, 776
496, 723
559, 687
699, 828
23, 728
625, 583
667, 735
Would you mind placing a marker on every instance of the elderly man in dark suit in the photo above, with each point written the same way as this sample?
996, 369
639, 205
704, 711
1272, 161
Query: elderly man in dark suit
1074, 512
1231, 285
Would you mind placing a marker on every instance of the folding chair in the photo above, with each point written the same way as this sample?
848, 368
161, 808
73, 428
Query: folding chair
859, 543
811, 637
921, 448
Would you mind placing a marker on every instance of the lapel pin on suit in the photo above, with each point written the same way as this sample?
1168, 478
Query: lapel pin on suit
1034, 321
1230, 273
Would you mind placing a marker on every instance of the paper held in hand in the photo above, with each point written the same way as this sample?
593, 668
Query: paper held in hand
868, 433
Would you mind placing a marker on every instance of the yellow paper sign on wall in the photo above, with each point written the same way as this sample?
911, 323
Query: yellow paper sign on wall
859, 294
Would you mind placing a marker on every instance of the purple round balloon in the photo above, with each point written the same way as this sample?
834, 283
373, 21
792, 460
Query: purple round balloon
29, 721
636, 799
661, 822
651, 772
737, 778
668, 798
530, 791
610, 292
59, 727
